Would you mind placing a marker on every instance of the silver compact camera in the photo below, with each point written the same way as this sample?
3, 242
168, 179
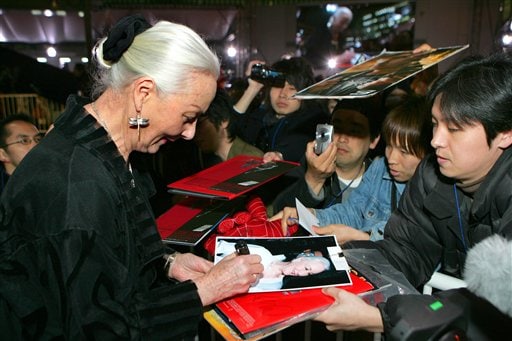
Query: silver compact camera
323, 137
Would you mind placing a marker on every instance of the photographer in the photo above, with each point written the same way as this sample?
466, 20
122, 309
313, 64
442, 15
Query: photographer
287, 124
331, 176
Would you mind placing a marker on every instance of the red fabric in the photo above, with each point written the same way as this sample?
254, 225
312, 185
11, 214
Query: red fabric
251, 223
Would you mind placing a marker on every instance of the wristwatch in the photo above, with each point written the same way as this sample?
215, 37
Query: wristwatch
169, 261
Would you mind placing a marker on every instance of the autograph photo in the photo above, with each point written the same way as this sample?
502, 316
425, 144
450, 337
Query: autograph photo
291, 263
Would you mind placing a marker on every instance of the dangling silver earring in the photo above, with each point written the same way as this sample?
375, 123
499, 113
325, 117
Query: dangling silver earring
139, 122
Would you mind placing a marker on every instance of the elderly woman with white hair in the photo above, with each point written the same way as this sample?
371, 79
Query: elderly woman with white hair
81, 257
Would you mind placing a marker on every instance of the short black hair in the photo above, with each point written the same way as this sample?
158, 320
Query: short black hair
221, 110
297, 70
4, 133
371, 107
409, 123
477, 90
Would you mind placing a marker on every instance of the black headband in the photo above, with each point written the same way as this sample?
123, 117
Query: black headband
121, 36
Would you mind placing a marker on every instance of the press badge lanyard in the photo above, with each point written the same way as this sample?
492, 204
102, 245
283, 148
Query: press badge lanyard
459, 217
340, 193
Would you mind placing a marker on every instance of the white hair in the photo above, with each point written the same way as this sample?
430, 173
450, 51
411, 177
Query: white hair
167, 52
325, 262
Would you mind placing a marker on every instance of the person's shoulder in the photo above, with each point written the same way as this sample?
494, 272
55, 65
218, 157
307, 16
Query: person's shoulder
378, 166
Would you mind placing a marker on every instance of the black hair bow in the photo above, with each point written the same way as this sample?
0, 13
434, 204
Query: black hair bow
121, 36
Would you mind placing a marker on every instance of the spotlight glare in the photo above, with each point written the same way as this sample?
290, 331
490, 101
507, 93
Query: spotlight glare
507, 39
331, 63
51, 51
231, 51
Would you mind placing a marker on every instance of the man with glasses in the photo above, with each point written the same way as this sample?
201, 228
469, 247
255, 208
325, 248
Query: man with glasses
18, 135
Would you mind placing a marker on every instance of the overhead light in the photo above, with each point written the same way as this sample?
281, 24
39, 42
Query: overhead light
331, 63
81, 14
42, 59
231, 52
504, 36
48, 13
64, 60
36, 12
331, 8
85, 60
51, 51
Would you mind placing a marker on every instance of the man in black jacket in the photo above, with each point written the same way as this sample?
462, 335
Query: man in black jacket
458, 197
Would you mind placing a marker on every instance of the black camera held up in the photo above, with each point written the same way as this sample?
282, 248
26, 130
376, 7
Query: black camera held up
264, 74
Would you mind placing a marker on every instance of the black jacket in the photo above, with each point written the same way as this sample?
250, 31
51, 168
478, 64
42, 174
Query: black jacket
424, 231
80, 255
288, 135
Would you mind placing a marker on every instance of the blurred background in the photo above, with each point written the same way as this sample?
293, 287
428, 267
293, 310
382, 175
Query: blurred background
45, 44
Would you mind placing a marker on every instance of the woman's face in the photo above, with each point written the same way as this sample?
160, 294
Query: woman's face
303, 266
401, 163
282, 101
174, 117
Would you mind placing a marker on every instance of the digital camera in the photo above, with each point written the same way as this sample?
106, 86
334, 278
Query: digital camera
323, 137
263, 74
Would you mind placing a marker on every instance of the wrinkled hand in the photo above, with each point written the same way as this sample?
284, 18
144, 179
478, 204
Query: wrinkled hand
189, 266
320, 167
350, 312
342, 232
272, 156
231, 276
288, 217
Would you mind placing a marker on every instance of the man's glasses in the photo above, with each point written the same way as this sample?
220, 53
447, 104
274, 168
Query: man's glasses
26, 140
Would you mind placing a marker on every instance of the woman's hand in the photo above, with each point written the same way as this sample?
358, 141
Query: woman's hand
233, 275
342, 232
189, 266
350, 312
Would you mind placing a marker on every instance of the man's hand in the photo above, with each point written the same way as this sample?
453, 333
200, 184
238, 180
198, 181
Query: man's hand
272, 156
288, 217
350, 312
250, 92
422, 48
342, 232
320, 167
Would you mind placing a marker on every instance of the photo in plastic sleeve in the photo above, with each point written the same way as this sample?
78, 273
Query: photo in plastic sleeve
291, 263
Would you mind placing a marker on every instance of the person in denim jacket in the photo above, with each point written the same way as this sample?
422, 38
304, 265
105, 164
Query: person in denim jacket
407, 132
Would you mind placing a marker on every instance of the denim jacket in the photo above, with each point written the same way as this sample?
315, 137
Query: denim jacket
369, 205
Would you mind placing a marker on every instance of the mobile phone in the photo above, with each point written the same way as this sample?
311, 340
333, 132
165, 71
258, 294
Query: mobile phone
242, 248
323, 137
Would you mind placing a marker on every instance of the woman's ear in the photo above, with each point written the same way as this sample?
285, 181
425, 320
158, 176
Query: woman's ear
144, 89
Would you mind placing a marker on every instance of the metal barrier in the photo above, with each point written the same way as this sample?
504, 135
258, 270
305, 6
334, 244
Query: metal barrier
42, 110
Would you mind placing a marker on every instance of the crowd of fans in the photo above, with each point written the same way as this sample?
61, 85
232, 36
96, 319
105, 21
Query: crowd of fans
421, 179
